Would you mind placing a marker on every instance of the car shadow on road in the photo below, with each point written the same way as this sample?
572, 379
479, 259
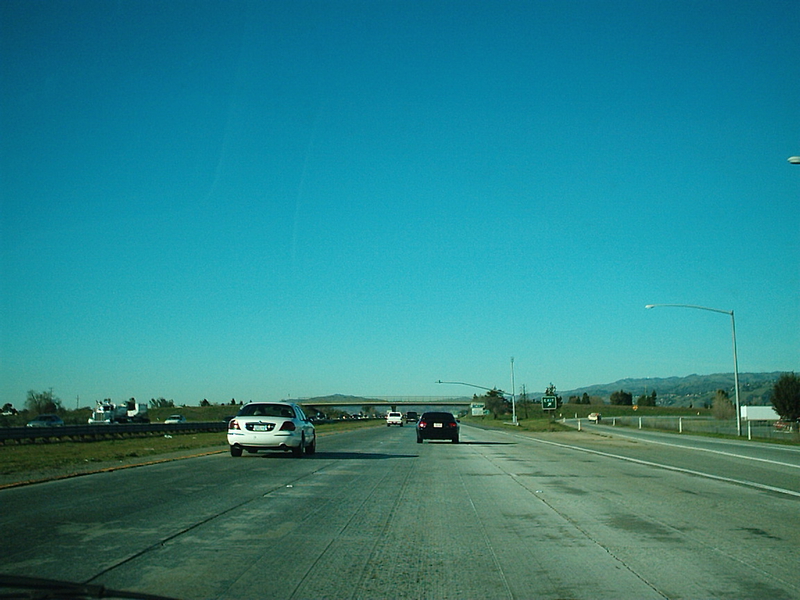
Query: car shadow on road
361, 455
490, 443
337, 456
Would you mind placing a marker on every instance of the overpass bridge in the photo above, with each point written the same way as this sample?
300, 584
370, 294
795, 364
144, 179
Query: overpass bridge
387, 402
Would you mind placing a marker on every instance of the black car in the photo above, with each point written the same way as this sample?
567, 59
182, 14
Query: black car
437, 426
46, 421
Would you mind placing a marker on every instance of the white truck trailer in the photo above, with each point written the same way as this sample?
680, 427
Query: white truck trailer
106, 412
759, 413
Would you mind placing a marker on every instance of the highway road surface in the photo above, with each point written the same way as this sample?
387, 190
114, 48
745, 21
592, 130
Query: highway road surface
585, 515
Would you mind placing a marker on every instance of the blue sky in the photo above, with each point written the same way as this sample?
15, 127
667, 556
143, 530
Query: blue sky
260, 200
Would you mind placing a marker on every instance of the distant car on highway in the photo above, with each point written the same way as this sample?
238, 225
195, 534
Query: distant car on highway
394, 418
595, 417
785, 425
281, 426
46, 421
437, 426
173, 419
411, 417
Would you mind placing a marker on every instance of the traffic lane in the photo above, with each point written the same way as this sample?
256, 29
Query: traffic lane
688, 536
423, 525
532, 550
102, 519
768, 465
492, 517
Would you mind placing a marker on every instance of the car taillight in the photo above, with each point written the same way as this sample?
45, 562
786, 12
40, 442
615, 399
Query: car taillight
422, 424
232, 424
288, 426
451, 424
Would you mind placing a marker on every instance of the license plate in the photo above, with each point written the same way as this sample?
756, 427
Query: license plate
260, 427
437, 425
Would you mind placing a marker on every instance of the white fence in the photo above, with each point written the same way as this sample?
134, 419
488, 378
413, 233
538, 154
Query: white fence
751, 429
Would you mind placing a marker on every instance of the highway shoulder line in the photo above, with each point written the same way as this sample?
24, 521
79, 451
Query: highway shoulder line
648, 463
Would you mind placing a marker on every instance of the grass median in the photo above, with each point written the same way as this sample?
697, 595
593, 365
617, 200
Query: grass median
539, 424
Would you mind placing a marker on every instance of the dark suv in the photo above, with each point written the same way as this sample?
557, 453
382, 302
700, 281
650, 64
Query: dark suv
437, 426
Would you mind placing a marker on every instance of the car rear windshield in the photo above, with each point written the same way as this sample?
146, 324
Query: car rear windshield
438, 417
266, 410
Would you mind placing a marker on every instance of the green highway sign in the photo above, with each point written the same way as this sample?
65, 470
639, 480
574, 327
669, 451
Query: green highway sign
549, 402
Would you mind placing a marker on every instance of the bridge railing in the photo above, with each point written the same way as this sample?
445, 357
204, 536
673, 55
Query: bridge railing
387, 401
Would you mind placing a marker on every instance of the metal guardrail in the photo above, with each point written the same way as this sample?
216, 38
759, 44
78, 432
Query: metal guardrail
102, 431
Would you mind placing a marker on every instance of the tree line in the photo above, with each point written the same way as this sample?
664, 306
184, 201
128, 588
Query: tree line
785, 400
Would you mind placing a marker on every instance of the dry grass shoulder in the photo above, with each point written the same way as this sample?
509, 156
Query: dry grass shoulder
53, 460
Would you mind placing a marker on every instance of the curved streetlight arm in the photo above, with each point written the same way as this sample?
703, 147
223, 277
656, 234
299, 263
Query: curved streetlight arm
716, 310
480, 387
735, 357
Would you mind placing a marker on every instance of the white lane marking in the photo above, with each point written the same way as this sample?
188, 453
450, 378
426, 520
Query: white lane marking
731, 454
752, 484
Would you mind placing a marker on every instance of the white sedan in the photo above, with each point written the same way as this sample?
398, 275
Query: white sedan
271, 426
394, 418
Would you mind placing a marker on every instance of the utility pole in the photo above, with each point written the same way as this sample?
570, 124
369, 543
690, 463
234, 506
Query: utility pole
513, 395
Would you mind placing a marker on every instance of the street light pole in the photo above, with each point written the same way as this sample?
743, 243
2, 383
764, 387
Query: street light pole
513, 395
735, 358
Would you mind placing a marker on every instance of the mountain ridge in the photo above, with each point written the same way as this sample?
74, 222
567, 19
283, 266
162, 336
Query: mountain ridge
755, 389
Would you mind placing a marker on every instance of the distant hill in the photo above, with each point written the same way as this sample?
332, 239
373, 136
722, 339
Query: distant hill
755, 389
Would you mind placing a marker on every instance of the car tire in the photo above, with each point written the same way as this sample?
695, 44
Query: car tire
236, 450
297, 451
312, 447
419, 440
455, 440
